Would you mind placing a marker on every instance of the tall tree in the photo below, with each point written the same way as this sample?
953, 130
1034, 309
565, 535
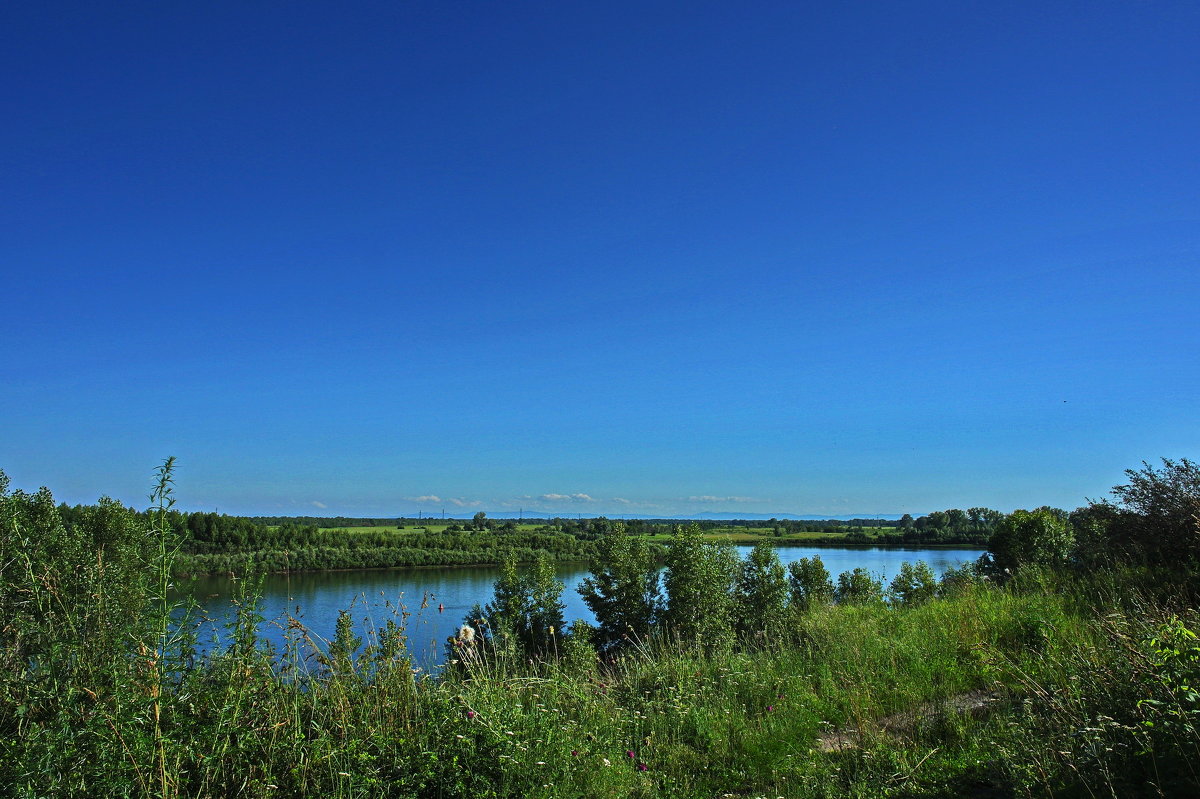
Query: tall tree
762, 593
623, 589
810, 583
699, 581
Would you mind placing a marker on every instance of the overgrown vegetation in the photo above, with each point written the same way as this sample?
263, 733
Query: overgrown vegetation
1065, 663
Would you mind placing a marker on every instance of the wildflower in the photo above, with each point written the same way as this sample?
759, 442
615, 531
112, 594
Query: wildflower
629, 754
574, 753
642, 767
605, 759
471, 714
466, 634
770, 708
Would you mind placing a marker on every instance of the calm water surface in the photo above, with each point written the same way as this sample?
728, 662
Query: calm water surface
437, 599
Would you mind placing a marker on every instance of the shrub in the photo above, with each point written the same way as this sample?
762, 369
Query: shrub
858, 587
810, 583
914, 584
700, 580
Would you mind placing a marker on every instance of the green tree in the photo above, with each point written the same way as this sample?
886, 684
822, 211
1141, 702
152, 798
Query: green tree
1042, 537
700, 579
528, 607
810, 583
858, 587
1157, 514
89, 588
546, 608
623, 589
762, 593
914, 583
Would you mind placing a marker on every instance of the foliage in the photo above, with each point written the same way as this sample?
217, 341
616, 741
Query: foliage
858, 587
810, 583
528, 607
1156, 518
623, 589
957, 579
913, 584
1062, 683
1041, 537
699, 582
761, 595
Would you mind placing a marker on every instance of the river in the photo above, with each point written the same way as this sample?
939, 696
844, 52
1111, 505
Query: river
437, 599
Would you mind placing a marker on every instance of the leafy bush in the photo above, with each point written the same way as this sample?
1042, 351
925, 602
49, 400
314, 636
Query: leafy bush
858, 587
810, 583
913, 584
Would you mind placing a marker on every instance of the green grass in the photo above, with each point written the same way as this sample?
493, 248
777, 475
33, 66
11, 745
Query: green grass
1052, 685
846, 701
751, 535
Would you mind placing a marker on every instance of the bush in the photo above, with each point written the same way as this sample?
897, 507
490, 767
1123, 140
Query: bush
810, 583
913, 584
858, 587
700, 580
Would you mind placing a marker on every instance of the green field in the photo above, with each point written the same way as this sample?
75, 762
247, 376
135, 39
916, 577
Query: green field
751, 535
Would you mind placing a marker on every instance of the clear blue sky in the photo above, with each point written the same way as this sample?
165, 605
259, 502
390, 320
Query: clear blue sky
824, 258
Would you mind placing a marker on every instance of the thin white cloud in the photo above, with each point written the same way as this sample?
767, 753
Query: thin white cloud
580, 497
463, 503
426, 498
711, 498
316, 504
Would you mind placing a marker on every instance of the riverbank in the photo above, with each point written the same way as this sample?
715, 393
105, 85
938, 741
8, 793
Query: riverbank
1067, 668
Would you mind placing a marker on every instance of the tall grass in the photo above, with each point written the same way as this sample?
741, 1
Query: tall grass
1047, 686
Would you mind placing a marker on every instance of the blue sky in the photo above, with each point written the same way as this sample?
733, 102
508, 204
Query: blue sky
374, 259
